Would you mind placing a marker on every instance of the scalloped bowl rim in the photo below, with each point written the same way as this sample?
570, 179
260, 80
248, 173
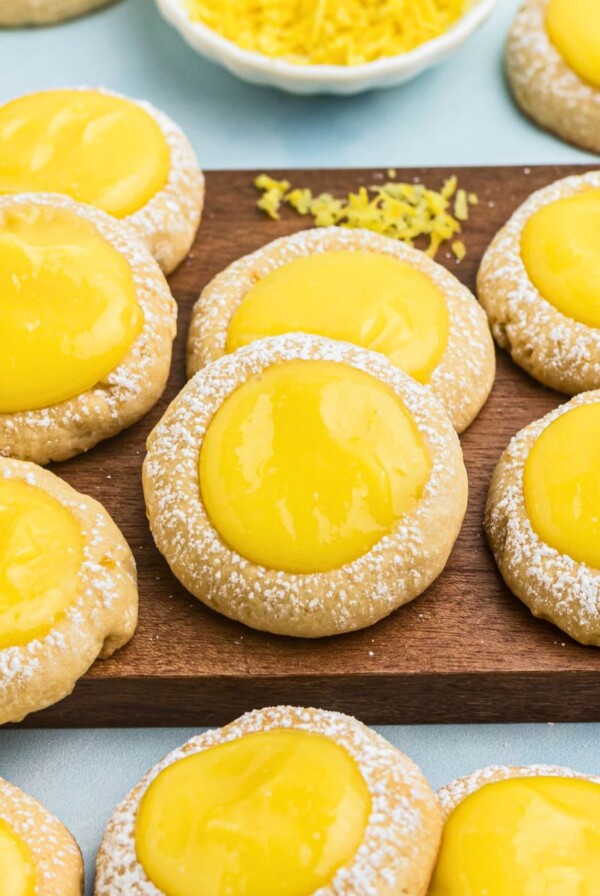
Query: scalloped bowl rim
221, 49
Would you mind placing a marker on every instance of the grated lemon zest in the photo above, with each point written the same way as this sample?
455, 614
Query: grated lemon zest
328, 32
461, 208
398, 210
459, 249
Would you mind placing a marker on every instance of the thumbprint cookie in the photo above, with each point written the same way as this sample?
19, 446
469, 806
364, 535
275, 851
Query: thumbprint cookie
282, 802
304, 486
553, 66
358, 287
68, 591
542, 517
38, 855
122, 156
519, 831
539, 282
87, 322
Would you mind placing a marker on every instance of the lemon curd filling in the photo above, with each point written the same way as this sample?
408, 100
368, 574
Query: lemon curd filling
17, 875
41, 553
370, 299
574, 29
560, 248
523, 837
562, 485
308, 464
275, 813
96, 148
69, 311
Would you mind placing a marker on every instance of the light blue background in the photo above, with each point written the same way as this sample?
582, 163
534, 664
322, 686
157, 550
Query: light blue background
457, 114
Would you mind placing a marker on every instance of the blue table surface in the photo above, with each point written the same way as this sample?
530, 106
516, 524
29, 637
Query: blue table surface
457, 114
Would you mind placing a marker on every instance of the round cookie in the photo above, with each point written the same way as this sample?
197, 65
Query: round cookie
553, 69
44, 12
120, 155
418, 315
542, 519
316, 803
511, 831
38, 853
68, 591
538, 285
304, 486
94, 356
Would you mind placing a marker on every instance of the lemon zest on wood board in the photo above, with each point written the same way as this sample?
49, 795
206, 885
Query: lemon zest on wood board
402, 211
328, 32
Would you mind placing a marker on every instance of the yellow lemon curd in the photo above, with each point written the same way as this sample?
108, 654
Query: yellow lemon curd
310, 463
41, 553
574, 29
69, 310
562, 485
560, 248
373, 300
328, 32
96, 148
17, 876
523, 837
270, 814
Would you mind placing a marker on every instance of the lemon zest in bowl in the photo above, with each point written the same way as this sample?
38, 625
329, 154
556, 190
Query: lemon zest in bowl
402, 211
328, 32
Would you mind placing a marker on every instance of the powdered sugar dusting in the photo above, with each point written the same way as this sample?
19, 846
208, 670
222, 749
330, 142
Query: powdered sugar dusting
56, 856
168, 223
128, 391
105, 608
453, 794
398, 568
553, 585
402, 833
545, 85
556, 349
463, 377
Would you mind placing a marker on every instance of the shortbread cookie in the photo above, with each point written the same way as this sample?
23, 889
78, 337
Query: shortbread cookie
519, 831
542, 517
38, 855
553, 66
68, 592
44, 12
282, 802
538, 282
120, 155
304, 486
87, 322
359, 287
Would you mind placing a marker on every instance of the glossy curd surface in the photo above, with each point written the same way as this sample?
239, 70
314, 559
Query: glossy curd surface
562, 484
574, 29
96, 148
523, 837
373, 300
560, 248
41, 553
308, 464
69, 312
275, 813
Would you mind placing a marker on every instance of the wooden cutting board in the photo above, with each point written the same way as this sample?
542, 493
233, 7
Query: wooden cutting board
466, 651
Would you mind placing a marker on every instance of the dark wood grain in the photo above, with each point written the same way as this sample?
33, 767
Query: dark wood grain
467, 650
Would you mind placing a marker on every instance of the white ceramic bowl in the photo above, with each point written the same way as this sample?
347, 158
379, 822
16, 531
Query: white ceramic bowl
386, 72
